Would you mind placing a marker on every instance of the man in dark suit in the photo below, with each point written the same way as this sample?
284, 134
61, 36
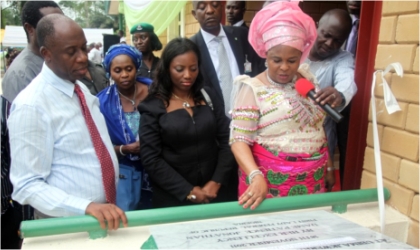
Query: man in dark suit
225, 51
235, 11
354, 11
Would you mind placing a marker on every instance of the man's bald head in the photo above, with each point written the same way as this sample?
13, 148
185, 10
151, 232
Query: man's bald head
63, 46
333, 29
45, 30
337, 17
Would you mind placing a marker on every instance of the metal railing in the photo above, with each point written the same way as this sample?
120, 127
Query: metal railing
86, 223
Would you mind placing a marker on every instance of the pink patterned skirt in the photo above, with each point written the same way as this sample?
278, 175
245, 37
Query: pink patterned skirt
289, 174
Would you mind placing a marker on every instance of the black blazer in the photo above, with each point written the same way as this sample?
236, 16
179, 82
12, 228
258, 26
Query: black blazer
238, 40
179, 151
99, 80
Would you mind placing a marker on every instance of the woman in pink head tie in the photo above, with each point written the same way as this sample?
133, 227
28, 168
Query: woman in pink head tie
277, 135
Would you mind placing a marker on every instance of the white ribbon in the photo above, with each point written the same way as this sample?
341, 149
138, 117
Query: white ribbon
392, 106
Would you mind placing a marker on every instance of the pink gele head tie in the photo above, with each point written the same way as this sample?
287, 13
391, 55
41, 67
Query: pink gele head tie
282, 23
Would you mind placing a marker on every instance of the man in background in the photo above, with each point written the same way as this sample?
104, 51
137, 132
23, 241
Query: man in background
333, 68
95, 78
95, 54
235, 11
225, 54
28, 63
225, 50
354, 10
101, 49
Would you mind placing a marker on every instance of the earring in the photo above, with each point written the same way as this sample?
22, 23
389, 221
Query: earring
266, 64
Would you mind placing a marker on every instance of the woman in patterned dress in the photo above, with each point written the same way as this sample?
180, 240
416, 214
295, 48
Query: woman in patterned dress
277, 135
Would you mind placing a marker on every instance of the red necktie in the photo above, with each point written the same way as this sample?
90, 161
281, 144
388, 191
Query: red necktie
108, 174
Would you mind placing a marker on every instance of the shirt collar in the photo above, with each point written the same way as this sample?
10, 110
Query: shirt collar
239, 23
55, 81
353, 18
209, 37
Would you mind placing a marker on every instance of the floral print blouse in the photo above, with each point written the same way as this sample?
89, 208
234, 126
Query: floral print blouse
276, 116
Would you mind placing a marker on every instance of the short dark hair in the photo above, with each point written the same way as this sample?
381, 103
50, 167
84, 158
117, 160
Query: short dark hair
242, 4
45, 30
162, 83
31, 13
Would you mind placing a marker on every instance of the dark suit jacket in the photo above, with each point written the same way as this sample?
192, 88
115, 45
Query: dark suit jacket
99, 80
244, 25
238, 40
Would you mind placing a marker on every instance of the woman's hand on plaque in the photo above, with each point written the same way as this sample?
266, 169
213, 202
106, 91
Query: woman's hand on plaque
255, 193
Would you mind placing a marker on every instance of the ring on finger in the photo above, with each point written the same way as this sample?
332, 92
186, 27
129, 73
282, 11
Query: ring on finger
250, 194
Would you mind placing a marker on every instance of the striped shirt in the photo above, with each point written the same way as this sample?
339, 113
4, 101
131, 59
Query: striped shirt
336, 71
54, 165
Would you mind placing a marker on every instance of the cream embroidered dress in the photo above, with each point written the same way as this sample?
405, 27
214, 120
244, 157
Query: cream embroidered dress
285, 133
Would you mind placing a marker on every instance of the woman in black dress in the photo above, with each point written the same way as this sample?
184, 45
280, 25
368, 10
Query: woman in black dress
184, 141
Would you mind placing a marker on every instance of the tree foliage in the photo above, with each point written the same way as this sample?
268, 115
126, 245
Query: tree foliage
10, 13
89, 14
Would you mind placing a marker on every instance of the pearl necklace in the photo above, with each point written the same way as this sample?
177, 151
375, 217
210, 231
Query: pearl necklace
185, 104
133, 101
281, 85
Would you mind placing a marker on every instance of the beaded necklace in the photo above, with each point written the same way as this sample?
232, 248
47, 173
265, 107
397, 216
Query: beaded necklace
289, 85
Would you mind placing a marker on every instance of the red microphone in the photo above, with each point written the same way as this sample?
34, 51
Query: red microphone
306, 89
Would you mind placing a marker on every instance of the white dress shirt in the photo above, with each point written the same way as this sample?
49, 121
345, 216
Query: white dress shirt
54, 165
212, 45
238, 24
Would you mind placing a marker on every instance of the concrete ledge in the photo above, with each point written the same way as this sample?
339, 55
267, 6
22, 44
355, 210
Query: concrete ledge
367, 215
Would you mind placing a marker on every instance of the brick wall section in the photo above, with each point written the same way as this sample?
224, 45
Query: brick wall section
398, 132
191, 25
252, 7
